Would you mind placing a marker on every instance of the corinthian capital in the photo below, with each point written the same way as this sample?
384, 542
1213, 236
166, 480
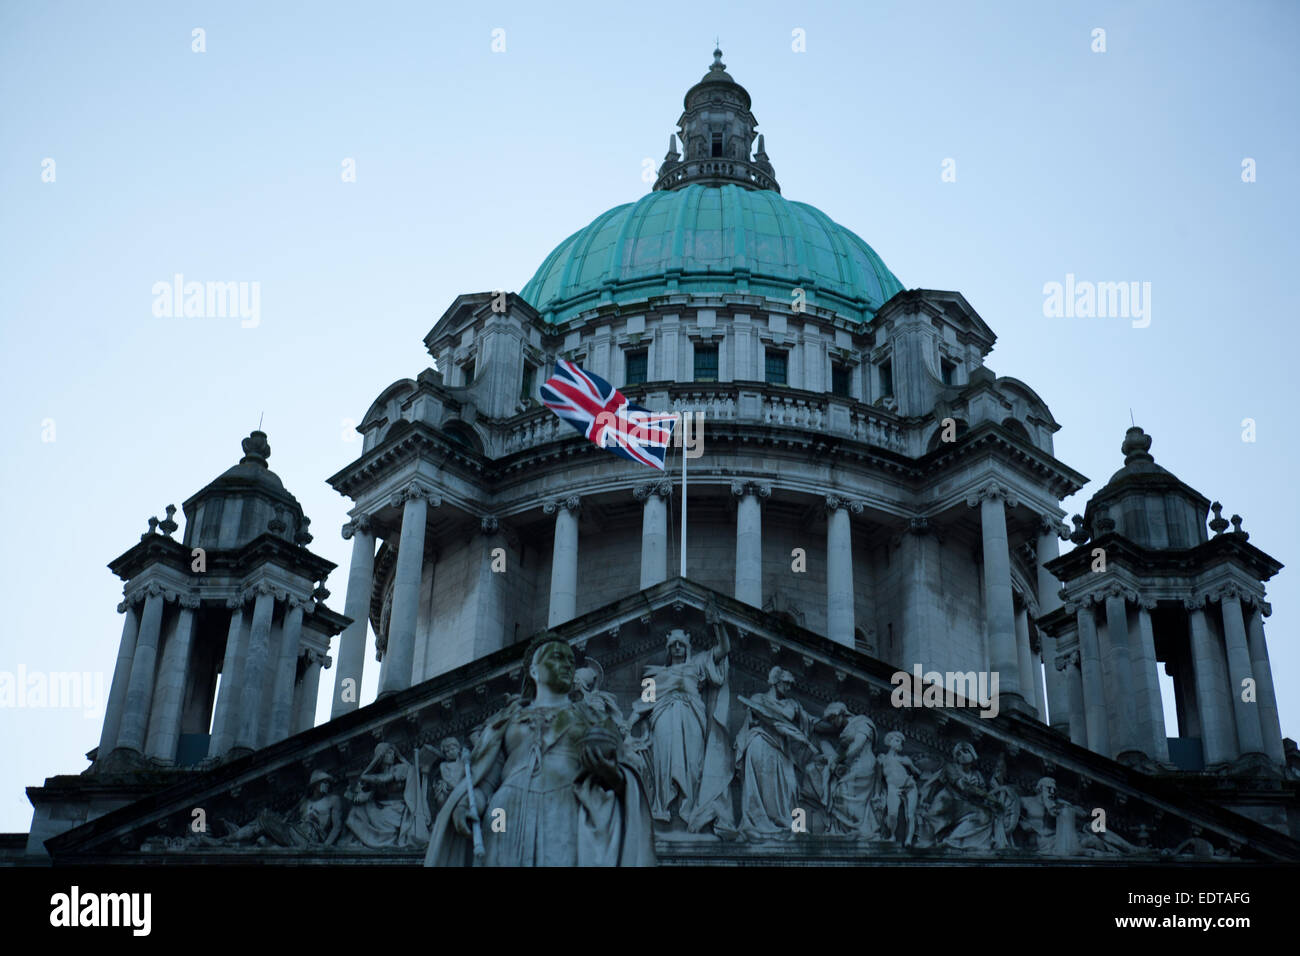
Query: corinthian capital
1116, 590
760, 489
358, 525
1052, 525
663, 488
994, 491
835, 502
1069, 659
415, 491
571, 503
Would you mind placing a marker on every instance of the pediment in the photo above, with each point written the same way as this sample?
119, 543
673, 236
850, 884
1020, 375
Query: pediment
996, 808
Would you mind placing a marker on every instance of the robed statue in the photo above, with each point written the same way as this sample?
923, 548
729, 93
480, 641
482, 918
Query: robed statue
686, 706
551, 787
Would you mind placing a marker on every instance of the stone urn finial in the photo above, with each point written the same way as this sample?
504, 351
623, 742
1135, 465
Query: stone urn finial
256, 449
1136, 446
1080, 534
1218, 524
168, 524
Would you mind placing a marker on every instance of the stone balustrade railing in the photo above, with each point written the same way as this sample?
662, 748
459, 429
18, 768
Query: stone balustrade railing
728, 402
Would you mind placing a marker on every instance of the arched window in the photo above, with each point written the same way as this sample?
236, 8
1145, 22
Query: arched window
461, 434
955, 433
1017, 429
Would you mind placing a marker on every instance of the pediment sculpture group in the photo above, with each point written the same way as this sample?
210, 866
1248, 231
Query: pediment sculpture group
563, 775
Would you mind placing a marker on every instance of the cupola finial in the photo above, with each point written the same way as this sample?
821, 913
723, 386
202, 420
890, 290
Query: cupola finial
256, 449
1136, 446
717, 132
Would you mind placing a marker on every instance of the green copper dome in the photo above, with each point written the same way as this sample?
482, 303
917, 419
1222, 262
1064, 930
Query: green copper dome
711, 239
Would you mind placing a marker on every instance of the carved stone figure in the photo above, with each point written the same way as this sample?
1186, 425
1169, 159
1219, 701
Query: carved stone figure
854, 781
687, 713
449, 773
1055, 827
964, 812
901, 791
550, 788
317, 820
587, 681
1037, 824
389, 805
773, 739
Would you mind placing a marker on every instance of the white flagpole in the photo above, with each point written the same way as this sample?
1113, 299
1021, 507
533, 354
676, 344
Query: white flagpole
684, 493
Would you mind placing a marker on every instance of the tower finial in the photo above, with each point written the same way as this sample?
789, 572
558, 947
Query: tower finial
256, 449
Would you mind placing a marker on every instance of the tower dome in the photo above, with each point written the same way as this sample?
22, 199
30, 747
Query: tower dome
243, 502
715, 222
1145, 503
709, 240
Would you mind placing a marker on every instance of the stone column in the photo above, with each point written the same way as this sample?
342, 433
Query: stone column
1068, 666
352, 643
139, 691
256, 663
399, 656
170, 693
1094, 691
1146, 677
564, 559
839, 569
286, 672
1121, 669
1218, 737
1025, 657
749, 540
998, 611
1263, 671
225, 716
654, 530
1049, 599
1250, 737
121, 679
308, 690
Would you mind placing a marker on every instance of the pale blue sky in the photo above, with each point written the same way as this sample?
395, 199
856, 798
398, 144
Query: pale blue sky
471, 166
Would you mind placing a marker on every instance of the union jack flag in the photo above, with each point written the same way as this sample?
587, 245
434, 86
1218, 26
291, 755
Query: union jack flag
601, 412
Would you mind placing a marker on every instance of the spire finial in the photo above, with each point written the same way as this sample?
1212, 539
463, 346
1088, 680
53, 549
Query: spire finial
718, 65
1136, 446
256, 449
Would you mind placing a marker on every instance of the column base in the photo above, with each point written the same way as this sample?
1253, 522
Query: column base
123, 760
1253, 764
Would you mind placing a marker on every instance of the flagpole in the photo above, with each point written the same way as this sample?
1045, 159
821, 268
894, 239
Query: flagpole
684, 494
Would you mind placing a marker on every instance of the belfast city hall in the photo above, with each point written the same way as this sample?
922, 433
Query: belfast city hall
884, 641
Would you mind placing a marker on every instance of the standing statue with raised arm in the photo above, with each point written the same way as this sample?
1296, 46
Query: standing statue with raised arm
686, 704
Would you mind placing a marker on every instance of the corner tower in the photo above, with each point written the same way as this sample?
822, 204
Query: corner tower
225, 631
1146, 585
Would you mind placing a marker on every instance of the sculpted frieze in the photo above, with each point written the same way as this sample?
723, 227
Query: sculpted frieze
695, 743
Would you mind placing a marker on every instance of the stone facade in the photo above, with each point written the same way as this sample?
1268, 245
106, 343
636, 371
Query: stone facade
869, 501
